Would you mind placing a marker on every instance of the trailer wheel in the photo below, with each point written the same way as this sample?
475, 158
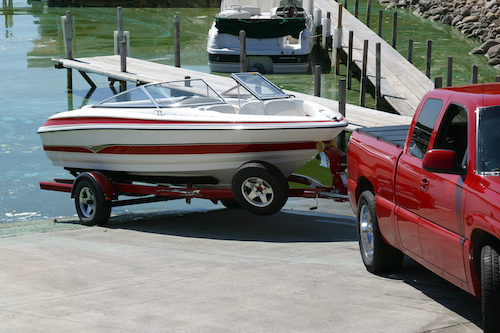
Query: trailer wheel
90, 204
260, 188
377, 255
490, 288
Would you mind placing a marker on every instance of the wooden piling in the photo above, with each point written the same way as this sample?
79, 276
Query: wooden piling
474, 74
410, 51
338, 40
68, 46
449, 72
342, 110
380, 21
368, 12
356, 8
438, 82
377, 76
243, 51
428, 59
177, 41
122, 47
317, 80
349, 59
394, 29
364, 79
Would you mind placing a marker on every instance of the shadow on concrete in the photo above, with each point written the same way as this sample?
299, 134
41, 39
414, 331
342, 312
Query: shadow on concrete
440, 290
238, 224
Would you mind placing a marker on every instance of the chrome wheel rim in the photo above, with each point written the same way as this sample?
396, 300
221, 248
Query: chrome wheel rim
86, 200
366, 232
257, 192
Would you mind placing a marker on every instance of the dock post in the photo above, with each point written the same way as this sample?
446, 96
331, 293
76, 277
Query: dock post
368, 12
177, 41
380, 18
377, 75
410, 51
394, 29
342, 108
122, 47
497, 78
326, 24
356, 8
449, 72
474, 74
338, 40
438, 82
364, 79
68, 46
349, 59
428, 59
317, 80
243, 51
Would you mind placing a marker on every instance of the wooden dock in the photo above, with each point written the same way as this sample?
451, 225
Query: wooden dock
141, 71
402, 84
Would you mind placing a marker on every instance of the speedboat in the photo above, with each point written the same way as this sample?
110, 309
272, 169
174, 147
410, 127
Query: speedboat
182, 132
280, 36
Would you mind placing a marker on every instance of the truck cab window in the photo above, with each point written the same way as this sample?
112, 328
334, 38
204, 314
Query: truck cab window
424, 127
452, 134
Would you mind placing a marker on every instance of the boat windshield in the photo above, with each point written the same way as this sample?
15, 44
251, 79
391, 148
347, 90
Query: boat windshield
164, 95
259, 86
488, 136
264, 5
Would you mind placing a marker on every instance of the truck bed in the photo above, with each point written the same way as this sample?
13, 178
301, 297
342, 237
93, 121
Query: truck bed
395, 135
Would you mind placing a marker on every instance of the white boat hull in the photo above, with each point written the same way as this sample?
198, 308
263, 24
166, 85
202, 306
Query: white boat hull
197, 150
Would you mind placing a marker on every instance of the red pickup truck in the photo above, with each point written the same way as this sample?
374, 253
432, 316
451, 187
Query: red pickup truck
431, 191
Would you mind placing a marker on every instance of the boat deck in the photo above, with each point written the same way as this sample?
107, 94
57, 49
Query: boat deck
141, 71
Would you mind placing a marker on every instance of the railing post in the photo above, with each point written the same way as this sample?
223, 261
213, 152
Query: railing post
394, 29
349, 59
428, 59
410, 51
342, 110
449, 71
317, 80
438, 82
474, 74
377, 76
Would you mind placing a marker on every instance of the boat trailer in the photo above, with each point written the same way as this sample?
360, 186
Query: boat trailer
256, 187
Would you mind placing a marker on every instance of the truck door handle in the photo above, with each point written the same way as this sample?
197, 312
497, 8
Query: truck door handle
425, 184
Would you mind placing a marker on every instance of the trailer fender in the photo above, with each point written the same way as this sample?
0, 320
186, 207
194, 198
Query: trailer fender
100, 180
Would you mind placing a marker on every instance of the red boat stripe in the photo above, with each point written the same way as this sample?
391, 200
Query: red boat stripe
185, 149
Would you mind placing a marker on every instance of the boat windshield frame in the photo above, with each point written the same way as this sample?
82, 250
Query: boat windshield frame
167, 94
256, 84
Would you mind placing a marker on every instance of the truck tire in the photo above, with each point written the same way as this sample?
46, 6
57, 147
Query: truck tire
260, 188
377, 255
490, 288
91, 207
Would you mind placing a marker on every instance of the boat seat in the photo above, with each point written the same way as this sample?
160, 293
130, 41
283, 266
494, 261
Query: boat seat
252, 107
222, 108
283, 107
253, 10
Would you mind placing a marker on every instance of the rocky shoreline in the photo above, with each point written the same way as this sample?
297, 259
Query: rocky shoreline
474, 18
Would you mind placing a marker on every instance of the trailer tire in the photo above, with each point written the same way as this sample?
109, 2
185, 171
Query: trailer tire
260, 188
91, 207
377, 255
490, 288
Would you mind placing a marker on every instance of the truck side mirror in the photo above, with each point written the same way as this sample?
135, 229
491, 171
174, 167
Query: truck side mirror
442, 161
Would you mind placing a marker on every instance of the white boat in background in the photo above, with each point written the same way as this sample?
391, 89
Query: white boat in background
185, 132
280, 36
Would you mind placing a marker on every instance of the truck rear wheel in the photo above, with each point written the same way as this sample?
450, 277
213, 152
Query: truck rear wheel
90, 204
377, 255
490, 288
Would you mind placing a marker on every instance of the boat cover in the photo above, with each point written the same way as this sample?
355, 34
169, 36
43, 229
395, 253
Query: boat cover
262, 28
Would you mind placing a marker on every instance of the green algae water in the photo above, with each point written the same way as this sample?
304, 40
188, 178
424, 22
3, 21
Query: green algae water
31, 89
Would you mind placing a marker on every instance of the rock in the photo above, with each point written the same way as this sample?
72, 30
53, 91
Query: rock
494, 61
493, 52
472, 18
447, 19
456, 19
485, 47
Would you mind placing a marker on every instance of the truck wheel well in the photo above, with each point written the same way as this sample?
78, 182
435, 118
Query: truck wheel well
364, 185
480, 239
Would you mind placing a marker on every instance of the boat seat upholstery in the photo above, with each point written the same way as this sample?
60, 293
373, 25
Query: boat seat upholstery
222, 108
252, 107
282, 107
